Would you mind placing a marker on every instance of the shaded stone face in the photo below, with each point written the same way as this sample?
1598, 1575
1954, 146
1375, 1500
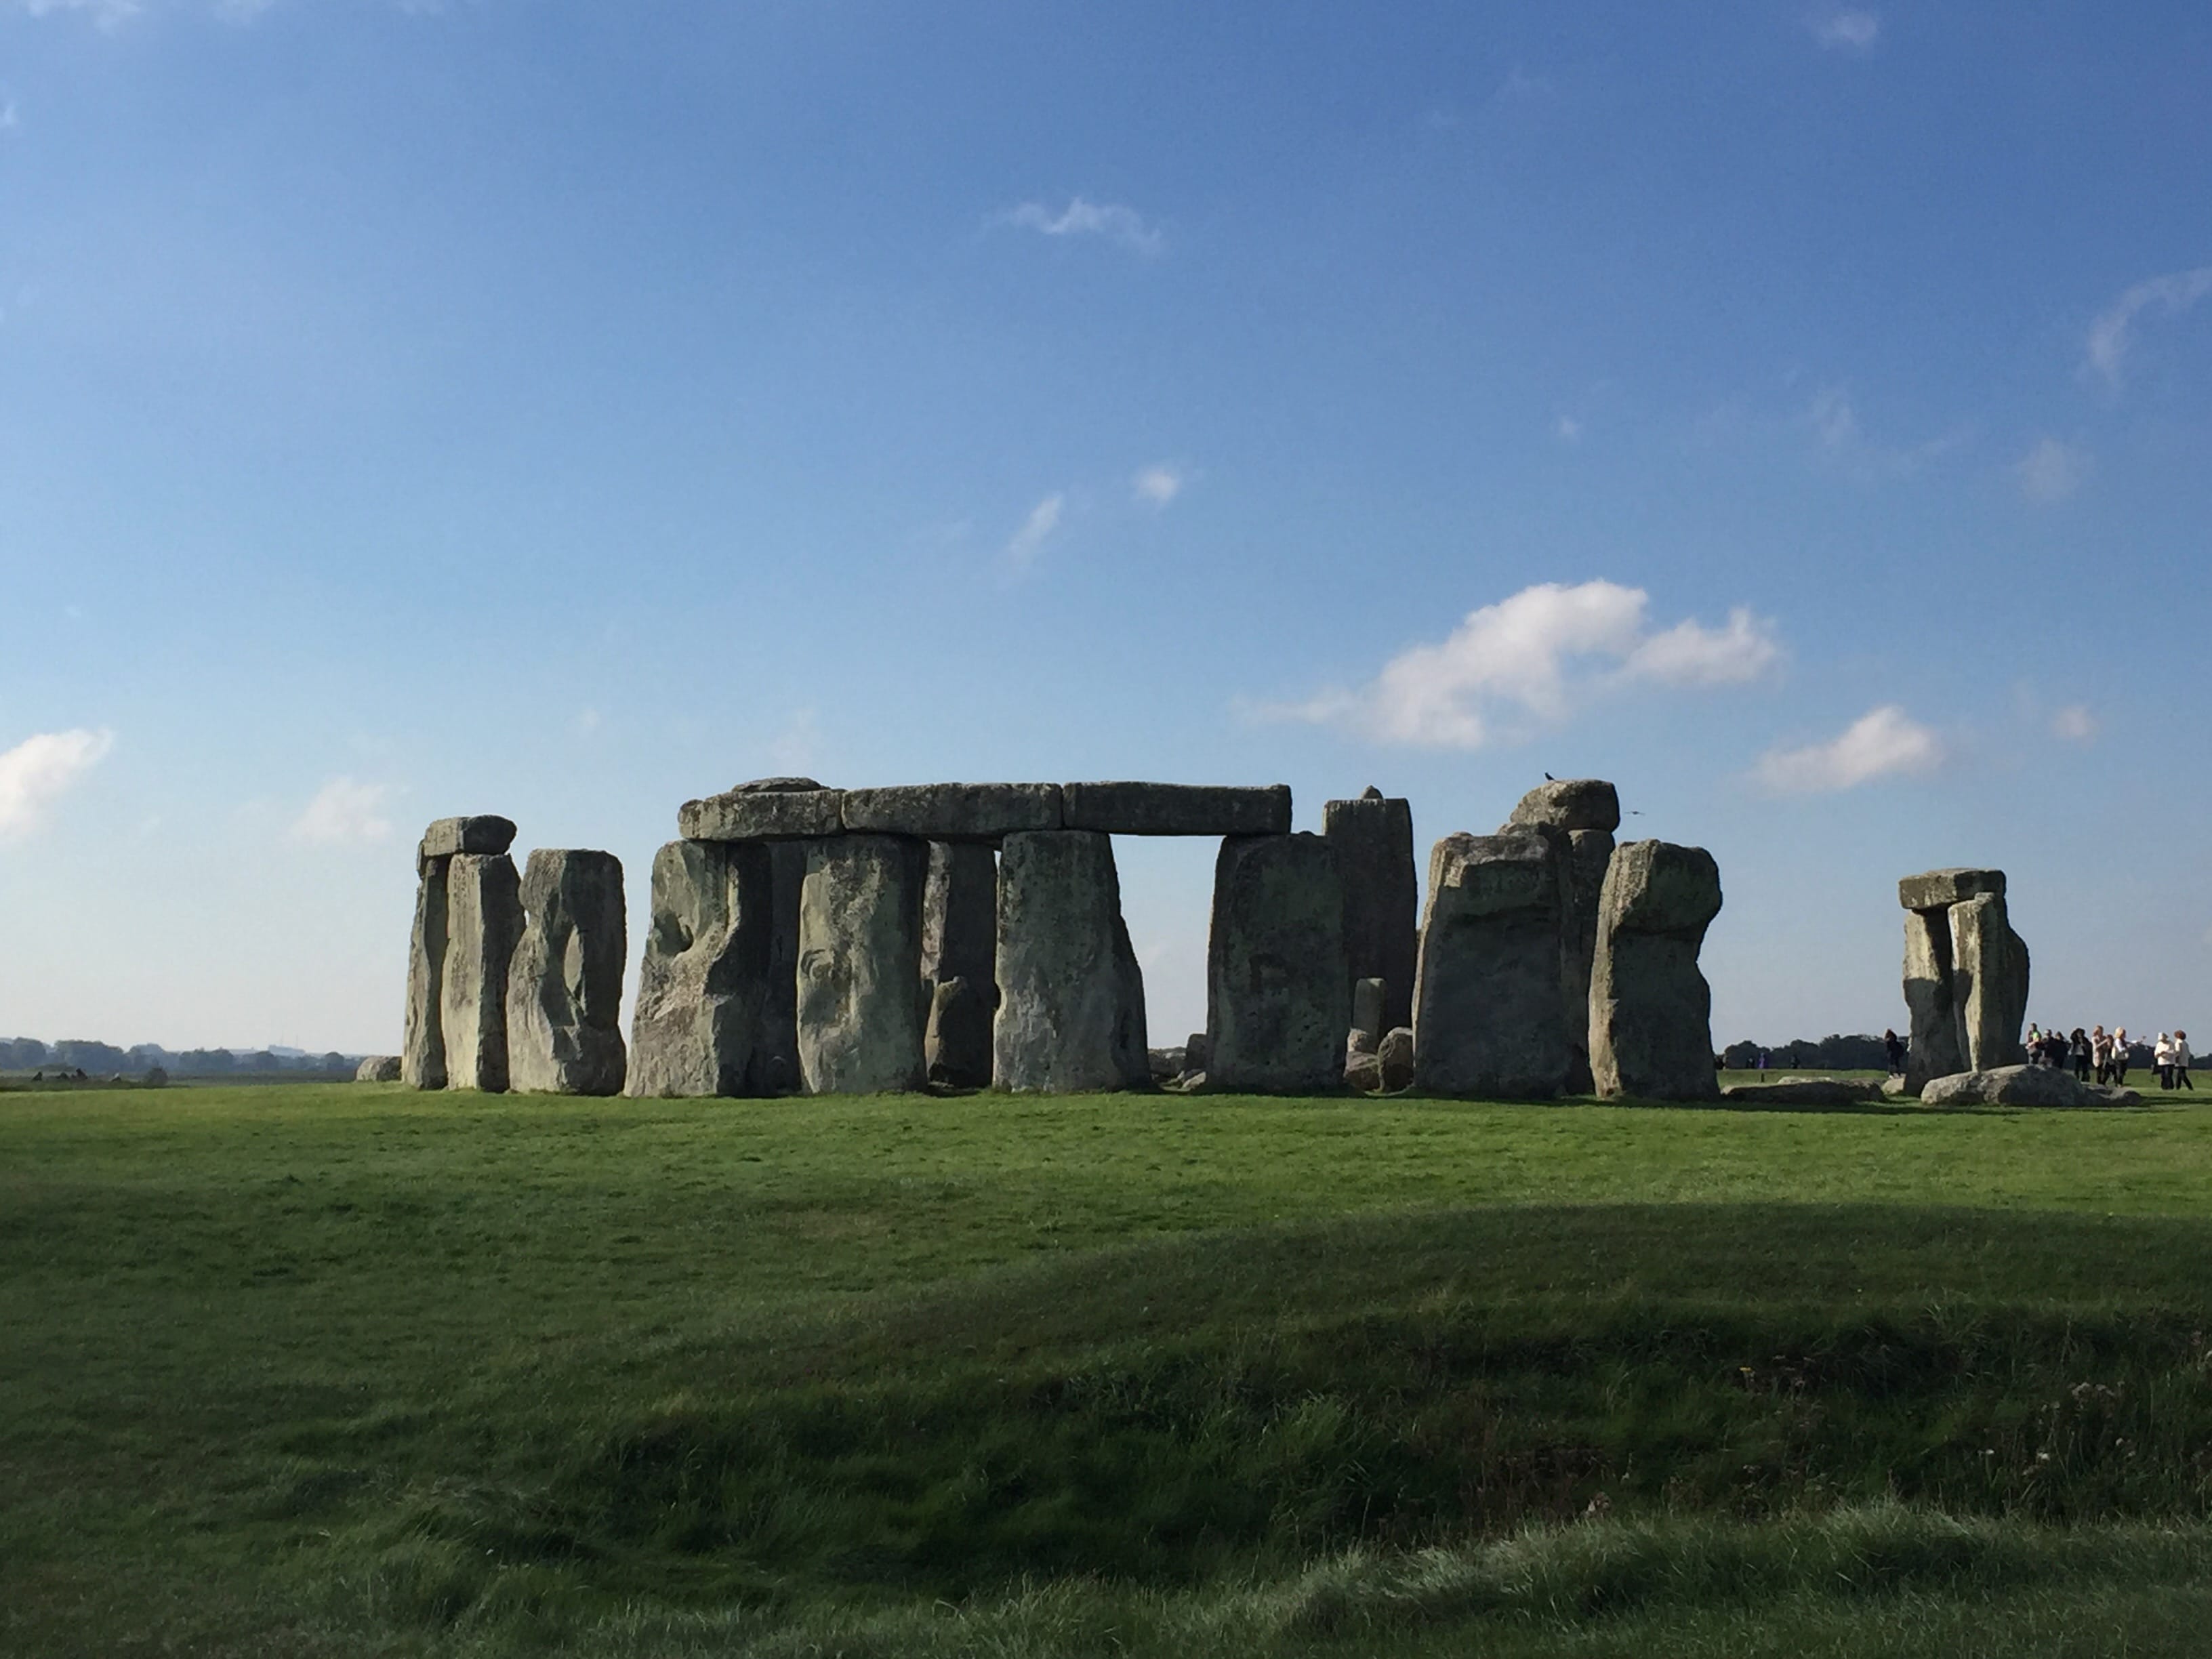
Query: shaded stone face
960, 941
1932, 1013
1373, 840
1278, 1001
485, 833
1071, 1014
1570, 804
1396, 1053
703, 986
860, 1010
564, 986
423, 1048
1990, 982
1651, 1008
374, 1068
1368, 1001
985, 812
1176, 809
956, 1047
484, 918
1487, 1020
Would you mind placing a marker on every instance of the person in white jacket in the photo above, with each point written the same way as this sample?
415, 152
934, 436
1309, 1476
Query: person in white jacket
2181, 1061
2161, 1056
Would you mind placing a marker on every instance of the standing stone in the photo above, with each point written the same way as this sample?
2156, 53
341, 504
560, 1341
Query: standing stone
860, 1011
1936, 1050
1989, 966
1278, 1001
564, 987
1368, 999
1965, 975
960, 941
422, 1050
1488, 1017
1071, 1015
703, 989
483, 921
1580, 816
775, 1069
1373, 840
1651, 1009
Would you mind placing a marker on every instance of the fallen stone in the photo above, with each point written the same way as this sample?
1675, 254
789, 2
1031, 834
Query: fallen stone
1363, 1073
1805, 1091
1487, 1019
1373, 840
483, 921
1990, 982
1197, 1052
703, 986
1938, 890
486, 834
751, 813
1570, 804
861, 1018
1165, 1064
378, 1068
564, 987
956, 1046
986, 812
1396, 1054
1358, 1042
1895, 1087
1176, 809
423, 1045
1651, 1008
1071, 1016
1278, 1003
2018, 1085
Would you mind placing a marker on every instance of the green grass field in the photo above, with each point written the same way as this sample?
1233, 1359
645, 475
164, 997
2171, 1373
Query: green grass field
346, 1369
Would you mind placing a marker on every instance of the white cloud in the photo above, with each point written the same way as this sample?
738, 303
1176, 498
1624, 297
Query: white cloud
1537, 655
1026, 543
2050, 471
39, 769
1158, 485
1110, 219
1883, 743
2113, 333
2074, 723
106, 13
343, 812
1846, 31
1569, 429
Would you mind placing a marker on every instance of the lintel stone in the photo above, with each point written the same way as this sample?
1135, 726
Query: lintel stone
749, 814
485, 833
1177, 809
1938, 890
952, 812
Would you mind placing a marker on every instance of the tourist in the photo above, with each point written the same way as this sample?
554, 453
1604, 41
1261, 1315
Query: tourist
2181, 1061
2100, 1051
2161, 1056
2078, 1049
1762, 1062
1894, 1047
2121, 1058
2034, 1043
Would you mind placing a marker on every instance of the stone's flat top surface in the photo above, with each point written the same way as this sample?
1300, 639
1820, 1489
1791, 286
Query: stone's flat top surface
1660, 887
1937, 890
484, 833
1570, 804
953, 811
746, 814
1177, 809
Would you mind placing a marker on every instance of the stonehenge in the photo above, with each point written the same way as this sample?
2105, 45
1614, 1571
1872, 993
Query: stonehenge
959, 946
1071, 1014
1579, 815
1650, 1030
860, 1002
1278, 1003
564, 983
1373, 840
423, 1052
1488, 1019
1966, 975
702, 990
483, 924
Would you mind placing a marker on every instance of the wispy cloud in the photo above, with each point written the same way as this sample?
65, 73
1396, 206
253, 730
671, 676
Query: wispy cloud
1845, 31
9, 120
2113, 333
2050, 471
1885, 742
2075, 723
1568, 429
1839, 434
40, 769
1024, 546
1109, 220
1532, 658
104, 13
344, 813
1157, 485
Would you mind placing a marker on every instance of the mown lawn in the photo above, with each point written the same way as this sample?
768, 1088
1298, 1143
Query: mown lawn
341, 1369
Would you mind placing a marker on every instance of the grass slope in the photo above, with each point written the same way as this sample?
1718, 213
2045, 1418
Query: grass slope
344, 1369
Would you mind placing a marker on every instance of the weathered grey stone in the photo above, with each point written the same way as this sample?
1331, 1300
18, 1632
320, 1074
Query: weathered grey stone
1804, 1092
2016, 1086
1651, 1008
375, 1068
1396, 1054
861, 1017
1938, 890
422, 1045
1369, 1014
1358, 1042
1584, 856
1930, 1005
484, 833
1487, 1020
1165, 1064
1570, 804
1071, 1014
702, 988
1363, 1073
1277, 1002
1989, 966
1373, 840
775, 1067
956, 1047
1176, 809
484, 923
986, 812
748, 813
1197, 1051
564, 987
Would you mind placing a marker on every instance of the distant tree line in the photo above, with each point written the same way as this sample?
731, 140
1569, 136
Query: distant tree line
104, 1058
1843, 1053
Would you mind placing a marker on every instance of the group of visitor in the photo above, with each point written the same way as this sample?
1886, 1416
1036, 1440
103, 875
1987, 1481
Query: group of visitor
2107, 1054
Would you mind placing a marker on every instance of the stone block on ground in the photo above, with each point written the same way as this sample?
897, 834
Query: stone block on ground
1570, 804
1651, 1008
564, 987
1071, 1014
378, 1068
956, 1047
1396, 1054
485, 833
703, 987
861, 1016
1278, 1001
1805, 1091
2021, 1085
1373, 836
985, 812
1176, 809
1487, 1020
483, 924
1363, 1073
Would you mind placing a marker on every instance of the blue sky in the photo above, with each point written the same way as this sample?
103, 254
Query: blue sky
1801, 414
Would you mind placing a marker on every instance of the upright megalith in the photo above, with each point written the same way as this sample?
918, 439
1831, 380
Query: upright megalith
564, 986
960, 941
703, 987
1488, 1019
1278, 1000
423, 1058
1650, 1010
1580, 816
859, 1006
1071, 1015
1965, 975
1373, 837
483, 924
